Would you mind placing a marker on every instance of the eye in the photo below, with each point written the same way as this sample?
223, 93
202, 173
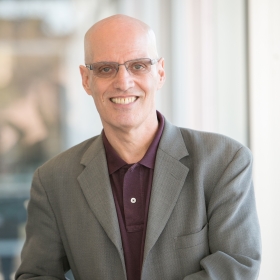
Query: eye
137, 66
105, 69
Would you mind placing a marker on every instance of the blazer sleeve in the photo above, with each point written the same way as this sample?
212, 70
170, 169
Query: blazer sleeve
43, 256
234, 233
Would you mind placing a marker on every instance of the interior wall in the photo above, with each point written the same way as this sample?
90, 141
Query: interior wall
264, 40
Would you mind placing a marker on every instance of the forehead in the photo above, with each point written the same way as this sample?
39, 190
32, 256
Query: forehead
120, 43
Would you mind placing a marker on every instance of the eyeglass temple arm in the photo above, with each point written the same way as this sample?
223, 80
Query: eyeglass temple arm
155, 60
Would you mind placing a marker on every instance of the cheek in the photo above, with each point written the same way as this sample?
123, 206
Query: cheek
149, 83
152, 87
156, 81
97, 92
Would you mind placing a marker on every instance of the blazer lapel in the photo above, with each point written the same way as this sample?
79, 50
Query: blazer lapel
95, 183
169, 177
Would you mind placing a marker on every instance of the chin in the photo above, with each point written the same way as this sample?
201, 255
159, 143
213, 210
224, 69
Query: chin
126, 123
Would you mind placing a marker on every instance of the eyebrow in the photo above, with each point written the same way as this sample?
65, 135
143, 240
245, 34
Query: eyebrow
109, 61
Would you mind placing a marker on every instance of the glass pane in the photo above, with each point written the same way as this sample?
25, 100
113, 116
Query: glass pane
32, 102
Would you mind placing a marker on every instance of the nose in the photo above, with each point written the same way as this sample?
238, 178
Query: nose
123, 80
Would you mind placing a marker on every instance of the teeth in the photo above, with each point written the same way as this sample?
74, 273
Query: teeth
126, 100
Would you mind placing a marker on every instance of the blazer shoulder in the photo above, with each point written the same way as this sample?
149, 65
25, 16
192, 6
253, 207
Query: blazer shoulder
67, 161
202, 142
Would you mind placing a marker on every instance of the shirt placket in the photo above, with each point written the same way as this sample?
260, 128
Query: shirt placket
133, 199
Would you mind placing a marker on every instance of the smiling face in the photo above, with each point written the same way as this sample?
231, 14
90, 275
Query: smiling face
125, 101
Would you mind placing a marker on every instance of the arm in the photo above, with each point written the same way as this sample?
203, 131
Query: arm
234, 234
43, 256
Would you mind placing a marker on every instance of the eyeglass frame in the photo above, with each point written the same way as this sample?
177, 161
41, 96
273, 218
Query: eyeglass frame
152, 62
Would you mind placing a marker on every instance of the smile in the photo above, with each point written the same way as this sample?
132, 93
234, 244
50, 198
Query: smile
123, 100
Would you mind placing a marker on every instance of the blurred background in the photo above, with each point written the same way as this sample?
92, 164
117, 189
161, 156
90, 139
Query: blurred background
223, 75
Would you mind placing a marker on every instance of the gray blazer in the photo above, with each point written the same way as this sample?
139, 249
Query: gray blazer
202, 221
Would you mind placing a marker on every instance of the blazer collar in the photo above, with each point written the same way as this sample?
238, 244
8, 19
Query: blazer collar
172, 142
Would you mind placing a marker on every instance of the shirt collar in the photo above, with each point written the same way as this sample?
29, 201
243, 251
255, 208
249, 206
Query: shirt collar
115, 162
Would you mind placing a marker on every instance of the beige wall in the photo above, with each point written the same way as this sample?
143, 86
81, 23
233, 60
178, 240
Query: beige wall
265, 116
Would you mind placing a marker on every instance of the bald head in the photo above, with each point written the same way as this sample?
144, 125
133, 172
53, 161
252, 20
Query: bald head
115, 34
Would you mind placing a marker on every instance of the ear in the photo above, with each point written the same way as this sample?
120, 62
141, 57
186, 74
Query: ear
85, 78
161, 73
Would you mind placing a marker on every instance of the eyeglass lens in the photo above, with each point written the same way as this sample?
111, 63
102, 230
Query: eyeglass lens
110, 69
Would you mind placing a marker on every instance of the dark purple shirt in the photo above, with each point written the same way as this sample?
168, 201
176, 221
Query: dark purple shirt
131, 186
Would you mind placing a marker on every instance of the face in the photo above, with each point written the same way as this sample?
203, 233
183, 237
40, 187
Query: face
125, 101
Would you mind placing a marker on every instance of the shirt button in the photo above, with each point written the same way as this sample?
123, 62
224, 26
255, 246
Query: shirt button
133, 200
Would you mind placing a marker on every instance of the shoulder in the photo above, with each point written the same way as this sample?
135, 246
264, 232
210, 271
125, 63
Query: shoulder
67, 163
212, 144
215, 158
75, 153
200, 146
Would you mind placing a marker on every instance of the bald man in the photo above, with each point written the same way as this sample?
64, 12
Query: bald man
144, 199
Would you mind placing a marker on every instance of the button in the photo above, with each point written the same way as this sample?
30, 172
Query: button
133, 200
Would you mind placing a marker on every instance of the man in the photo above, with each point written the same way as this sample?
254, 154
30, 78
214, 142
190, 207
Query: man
145, 199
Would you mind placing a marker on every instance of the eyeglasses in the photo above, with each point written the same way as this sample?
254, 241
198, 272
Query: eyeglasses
135, 67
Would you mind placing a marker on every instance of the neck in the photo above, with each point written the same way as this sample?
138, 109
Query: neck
132, 144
